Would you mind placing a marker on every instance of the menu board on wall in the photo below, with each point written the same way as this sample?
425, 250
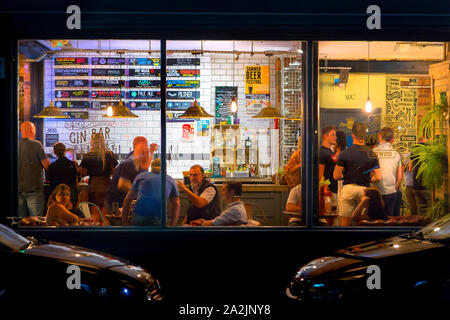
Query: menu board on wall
144, 94
108, 72
72, 72
71, 83
183, 61
224, 96
106, 94
144, 83
183, 83
72, 104
183, 73
106, 83
144, 72
107, 61
144, 61
51, 139
70, 61
257, 82
183, 94
144, 105
72, 93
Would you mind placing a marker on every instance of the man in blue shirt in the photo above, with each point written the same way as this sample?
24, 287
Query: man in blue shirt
146, 190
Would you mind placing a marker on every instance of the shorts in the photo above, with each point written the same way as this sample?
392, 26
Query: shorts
349, 199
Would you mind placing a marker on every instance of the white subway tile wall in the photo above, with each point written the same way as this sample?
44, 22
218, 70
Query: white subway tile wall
215, 70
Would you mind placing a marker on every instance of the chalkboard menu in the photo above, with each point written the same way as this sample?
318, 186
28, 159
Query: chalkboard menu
106, 83
183, 94
224, 96
108, 72
108, 61
144, 94
144, 105
51, 139
144, 72
183, 83
183, 61
82, 115
105, 94
72, 104
183, 73
71, 83
144, 61
72, 72
72, 93
70, 61
144, 83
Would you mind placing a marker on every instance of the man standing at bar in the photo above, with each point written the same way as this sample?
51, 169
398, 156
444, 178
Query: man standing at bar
32, 161
391, 172
358, 165
327, 161
202, 195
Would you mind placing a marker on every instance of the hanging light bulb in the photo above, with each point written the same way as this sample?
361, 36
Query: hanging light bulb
109, 111
234, 105
368, 105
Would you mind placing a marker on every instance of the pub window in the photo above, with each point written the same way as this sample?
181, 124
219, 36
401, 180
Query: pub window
382, 149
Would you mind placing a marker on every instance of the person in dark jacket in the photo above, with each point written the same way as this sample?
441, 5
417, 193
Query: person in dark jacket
203, 196
63, 171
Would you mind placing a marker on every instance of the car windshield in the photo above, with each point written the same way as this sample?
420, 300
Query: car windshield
437, 230
11, 239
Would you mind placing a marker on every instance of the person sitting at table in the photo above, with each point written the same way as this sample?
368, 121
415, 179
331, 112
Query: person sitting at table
203, 196
98, 164
371, 206
146, 190
125, 173
234, 213
293, 205
58, 207
63, 171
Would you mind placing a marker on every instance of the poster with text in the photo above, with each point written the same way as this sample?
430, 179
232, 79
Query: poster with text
257, 82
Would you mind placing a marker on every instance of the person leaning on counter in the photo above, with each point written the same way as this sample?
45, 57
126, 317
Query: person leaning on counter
203, 196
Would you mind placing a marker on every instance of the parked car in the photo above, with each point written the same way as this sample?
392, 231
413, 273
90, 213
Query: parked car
45, 270
408, 267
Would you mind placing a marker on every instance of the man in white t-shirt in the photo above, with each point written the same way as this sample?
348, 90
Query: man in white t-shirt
294, 205
391, 172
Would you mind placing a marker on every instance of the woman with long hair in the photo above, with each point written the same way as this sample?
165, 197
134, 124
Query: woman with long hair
58, 207
371, 206
292, 169
98, 164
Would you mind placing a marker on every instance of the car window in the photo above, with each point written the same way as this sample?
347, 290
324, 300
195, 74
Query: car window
438, 230
11, 239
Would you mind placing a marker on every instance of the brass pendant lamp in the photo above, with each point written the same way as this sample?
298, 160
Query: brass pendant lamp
269, 113
295, 116
51, 112
195, 112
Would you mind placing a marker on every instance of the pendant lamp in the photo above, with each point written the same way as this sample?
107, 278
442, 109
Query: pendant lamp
368, 106
269, 113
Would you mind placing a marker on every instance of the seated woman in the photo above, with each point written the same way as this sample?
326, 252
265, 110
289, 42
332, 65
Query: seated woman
58, 207
371, 206
234, 213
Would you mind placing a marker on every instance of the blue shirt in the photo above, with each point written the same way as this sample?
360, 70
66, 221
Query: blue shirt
148, 187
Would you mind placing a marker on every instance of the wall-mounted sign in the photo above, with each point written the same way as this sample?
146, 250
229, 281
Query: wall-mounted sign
179, 106
144, 61
183, 83
70, 61
71, 72
71, 83
183, 73
108, 72
188, 132
106, 83
108, 61
72, 104
257, 82
51, 139
173, 116
183, 61
224, 96
144, 94
144, 72
144, 83
183, 94
105, 94
203, 128
80, 115
102, 104
144, 105
252, 107
72, 93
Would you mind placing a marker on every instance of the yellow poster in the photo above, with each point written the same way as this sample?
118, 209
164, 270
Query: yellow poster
257, 81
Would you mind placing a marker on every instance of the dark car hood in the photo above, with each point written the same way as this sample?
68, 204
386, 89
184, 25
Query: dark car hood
388, 247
